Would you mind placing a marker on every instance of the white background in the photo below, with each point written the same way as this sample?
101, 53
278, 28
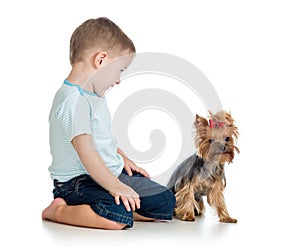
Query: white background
250, 52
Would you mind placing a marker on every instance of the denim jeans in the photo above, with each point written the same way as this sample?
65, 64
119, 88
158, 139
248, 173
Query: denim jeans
157, 201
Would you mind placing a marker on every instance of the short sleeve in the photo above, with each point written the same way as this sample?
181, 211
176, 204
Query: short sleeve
74, 117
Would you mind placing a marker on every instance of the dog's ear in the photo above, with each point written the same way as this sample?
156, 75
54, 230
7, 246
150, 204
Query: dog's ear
230, 122
201, 126
200, 122
235, 131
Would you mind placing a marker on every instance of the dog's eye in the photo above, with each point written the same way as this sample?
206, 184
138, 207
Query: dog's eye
227, 139
211, 140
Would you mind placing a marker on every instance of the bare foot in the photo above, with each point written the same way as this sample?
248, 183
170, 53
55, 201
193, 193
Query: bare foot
49, 212
138, 217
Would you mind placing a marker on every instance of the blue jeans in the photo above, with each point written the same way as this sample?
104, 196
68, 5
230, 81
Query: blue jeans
157, 201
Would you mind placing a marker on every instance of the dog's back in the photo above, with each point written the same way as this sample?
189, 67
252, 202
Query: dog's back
185, 172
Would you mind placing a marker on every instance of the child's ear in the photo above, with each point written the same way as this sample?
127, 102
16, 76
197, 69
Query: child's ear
99, 59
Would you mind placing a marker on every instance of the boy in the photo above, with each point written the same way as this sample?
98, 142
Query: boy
95, 184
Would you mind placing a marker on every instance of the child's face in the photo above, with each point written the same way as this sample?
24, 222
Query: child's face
109, 73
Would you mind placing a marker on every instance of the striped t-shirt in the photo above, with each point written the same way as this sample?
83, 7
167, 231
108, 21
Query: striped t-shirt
75, 112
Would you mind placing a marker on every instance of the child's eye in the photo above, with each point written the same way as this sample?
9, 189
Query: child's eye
122, 70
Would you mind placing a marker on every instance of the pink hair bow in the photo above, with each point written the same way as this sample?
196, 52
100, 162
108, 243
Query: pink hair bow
213, 123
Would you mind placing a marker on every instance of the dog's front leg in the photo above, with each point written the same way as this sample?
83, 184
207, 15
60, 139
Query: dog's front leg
215, 198
185, 203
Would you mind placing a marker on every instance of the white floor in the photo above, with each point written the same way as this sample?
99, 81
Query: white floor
205, 231
255, 228
145, 234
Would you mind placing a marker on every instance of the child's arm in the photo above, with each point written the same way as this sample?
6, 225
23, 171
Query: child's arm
130, 166
94, 165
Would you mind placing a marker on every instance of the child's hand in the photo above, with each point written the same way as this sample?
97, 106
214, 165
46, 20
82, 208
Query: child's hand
130, 167
128, 196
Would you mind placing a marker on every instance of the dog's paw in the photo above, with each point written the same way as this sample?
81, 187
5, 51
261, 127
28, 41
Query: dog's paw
190, 218
228, 220
187, 217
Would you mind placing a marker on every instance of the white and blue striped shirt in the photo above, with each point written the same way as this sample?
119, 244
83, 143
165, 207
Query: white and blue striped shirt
75, 112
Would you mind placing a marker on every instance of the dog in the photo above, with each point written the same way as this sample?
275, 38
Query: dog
202, 174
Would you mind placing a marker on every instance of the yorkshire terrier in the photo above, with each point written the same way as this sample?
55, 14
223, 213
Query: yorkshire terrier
202, 174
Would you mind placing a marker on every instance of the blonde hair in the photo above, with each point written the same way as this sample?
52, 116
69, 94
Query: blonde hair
95, 34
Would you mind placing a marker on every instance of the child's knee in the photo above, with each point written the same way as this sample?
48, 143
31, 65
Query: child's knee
162, 204
171, 200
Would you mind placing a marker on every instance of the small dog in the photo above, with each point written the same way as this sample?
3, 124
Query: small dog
202, 174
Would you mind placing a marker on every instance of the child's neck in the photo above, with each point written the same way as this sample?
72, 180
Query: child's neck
80, 75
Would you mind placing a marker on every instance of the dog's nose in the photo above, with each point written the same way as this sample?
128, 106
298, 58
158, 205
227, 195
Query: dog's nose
222, 149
